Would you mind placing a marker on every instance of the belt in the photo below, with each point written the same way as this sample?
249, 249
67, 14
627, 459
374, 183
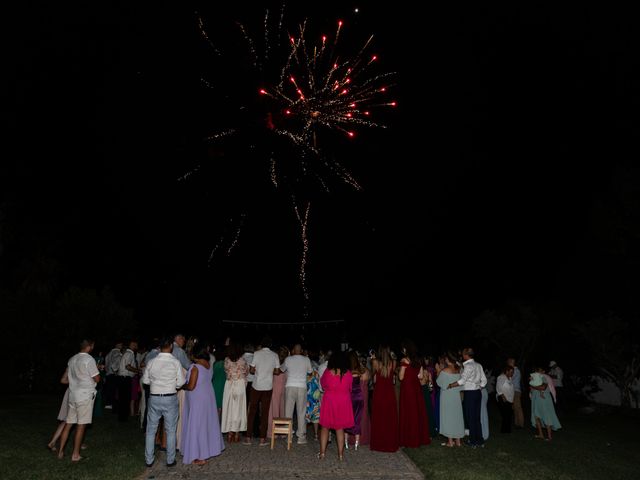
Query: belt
163, 394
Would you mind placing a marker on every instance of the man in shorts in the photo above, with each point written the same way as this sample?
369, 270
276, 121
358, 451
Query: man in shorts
83, 375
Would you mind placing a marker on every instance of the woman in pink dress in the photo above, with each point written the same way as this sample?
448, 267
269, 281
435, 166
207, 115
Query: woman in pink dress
276, 409
336, 412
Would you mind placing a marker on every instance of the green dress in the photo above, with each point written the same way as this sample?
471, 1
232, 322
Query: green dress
451, 417
218, 380
543, 409
426, 393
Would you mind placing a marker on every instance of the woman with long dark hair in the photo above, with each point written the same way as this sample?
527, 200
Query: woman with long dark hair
359, 390
414, 424
384, 413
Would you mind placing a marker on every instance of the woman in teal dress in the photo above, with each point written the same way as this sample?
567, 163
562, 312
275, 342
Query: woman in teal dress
451, 417
543, 413
218, 381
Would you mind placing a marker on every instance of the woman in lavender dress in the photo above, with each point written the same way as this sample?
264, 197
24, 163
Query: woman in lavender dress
201, 436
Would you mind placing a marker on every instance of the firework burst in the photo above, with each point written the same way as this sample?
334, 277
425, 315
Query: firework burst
315, 90
302, 88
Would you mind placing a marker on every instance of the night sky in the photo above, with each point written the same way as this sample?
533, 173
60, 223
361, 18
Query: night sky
508, 171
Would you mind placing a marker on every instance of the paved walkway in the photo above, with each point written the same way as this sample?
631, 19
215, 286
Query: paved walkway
242, 462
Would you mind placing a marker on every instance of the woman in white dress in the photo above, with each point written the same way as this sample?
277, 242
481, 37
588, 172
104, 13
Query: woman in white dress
234, 400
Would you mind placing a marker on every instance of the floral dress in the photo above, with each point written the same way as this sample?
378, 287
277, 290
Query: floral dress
314, 394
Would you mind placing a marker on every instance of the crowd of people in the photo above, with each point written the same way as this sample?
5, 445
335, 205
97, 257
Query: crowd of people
187, 400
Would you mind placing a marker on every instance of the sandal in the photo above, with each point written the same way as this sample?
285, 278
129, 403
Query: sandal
320, 455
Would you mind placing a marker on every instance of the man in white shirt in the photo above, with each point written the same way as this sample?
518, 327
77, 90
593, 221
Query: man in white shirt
505, 394
265, 365
128, 369
153, 353
472, 381
83, 376
165, 376
297, 367
111, 366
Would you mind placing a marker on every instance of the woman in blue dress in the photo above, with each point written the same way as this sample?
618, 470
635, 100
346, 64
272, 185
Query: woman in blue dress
543, 413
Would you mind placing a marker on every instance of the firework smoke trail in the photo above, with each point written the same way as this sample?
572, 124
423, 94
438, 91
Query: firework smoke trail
204, 35
272, 170
189, 173
222, 238
266, 35
215, 249
303, 221
225, 133
234, 242
250, 44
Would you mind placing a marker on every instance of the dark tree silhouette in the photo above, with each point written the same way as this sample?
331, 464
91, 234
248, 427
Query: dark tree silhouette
616, 352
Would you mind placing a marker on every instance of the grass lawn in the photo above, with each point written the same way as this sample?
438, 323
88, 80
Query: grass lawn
601, 445
115, 451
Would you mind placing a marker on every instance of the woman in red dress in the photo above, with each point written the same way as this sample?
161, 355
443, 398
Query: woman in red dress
336, 412
384, 413
414, 423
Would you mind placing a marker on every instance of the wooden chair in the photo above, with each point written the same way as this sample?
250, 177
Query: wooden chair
282, 425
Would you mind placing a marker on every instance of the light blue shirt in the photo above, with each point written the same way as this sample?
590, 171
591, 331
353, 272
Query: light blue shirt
151, 355
180, 354
516, 379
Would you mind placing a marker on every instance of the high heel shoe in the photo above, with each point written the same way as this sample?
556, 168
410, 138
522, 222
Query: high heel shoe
346, 441
320, 455
355, 445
